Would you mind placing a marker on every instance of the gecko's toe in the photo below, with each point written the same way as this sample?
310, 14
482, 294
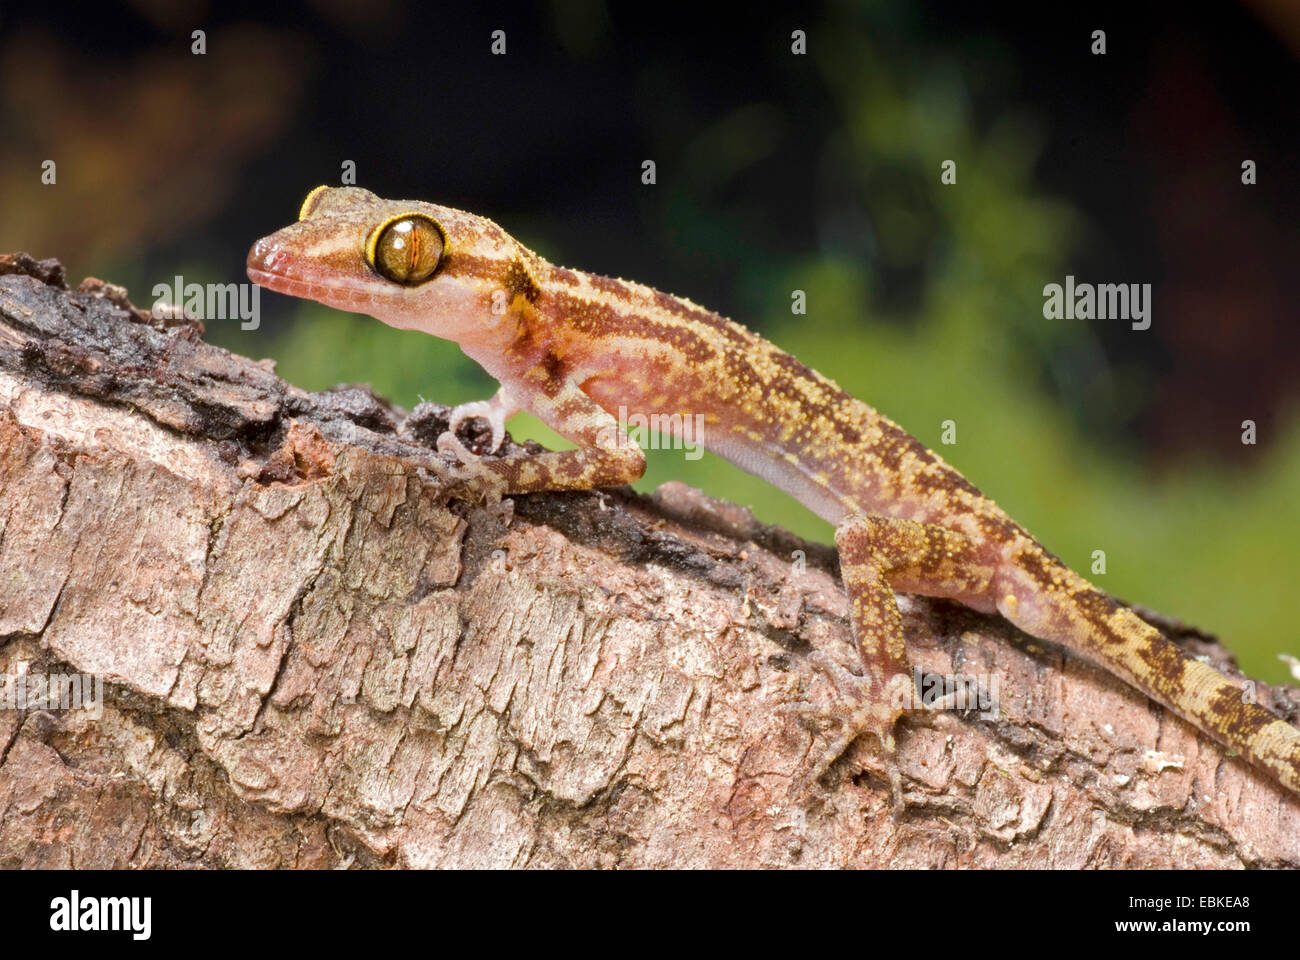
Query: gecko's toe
864, 706
448, 442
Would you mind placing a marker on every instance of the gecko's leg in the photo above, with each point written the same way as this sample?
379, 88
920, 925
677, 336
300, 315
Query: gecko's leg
606, 456
496, 412
875, 553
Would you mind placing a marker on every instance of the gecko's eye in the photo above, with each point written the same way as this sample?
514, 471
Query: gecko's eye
406, 249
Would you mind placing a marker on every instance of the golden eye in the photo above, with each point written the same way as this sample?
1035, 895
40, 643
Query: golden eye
309, 202
406, 249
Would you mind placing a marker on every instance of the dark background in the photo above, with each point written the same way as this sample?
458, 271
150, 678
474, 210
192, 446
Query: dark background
775, 172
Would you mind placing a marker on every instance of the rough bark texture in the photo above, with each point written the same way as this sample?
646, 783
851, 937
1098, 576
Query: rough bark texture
313, 658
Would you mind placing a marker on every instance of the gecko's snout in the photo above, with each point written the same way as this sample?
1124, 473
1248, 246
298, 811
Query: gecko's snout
271, 265
266, 259
264, 255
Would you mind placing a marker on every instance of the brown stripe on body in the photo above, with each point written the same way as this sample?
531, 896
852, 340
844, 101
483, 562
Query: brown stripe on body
601, 321
473, 266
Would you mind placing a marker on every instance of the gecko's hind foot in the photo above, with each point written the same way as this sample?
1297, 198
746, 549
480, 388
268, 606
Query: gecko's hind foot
864, 705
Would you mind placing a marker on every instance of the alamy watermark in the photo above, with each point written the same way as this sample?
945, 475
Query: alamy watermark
209, 301
1102, 301
665, 431
75, 913
21, 689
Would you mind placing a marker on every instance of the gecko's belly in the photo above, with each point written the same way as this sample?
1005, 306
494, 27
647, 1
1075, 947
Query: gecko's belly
833, 491
791, 476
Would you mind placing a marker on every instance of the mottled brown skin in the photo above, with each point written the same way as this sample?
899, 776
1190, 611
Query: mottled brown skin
574, 348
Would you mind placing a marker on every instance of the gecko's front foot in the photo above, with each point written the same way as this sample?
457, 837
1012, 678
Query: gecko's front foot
495, 411
870, 705
470, 481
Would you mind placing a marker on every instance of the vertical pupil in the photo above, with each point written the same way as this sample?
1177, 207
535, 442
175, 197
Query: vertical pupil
408, 251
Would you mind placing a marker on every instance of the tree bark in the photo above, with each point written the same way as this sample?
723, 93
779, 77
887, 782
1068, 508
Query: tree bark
314, 657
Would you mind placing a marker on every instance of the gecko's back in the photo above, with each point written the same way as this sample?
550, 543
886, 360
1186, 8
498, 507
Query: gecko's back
641, 351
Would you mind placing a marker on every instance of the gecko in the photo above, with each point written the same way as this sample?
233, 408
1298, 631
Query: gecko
574, 348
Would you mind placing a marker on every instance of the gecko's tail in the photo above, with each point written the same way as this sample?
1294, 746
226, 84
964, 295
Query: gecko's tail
1098, 628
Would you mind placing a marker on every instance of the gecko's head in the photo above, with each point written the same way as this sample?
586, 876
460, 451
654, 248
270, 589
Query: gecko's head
410, 264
